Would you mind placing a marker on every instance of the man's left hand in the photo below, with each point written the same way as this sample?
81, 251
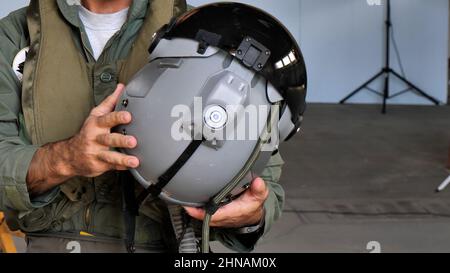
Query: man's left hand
247, 210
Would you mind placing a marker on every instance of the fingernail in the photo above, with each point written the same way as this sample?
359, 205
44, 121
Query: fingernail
130, 142
125, 117
133, 163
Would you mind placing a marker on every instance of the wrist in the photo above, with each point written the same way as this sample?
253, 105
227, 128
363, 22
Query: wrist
59, 161
255, 228
64, 154
261, 215
46, 170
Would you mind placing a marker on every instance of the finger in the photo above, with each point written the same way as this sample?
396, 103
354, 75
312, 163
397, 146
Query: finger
196, 213
259, 190
221, 215
121, 168
229, 212
118, 159
117, 141
114, 119
108, 105
237, 214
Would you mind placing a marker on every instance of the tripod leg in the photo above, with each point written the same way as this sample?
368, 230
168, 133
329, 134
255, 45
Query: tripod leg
420, 91
444, 185
361, 87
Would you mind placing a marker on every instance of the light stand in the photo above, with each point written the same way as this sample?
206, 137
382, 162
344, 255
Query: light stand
444, 185
387, 71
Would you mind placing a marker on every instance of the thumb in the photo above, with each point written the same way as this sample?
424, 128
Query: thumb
109, 104
259, 189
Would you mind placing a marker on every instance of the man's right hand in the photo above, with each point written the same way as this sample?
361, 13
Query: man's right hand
90, 149
87, 154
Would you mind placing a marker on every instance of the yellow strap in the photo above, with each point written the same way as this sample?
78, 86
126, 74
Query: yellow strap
6, 240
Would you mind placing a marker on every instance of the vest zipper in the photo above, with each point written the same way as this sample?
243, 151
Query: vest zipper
88, 216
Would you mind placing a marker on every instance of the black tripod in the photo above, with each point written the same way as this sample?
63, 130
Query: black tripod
387, 71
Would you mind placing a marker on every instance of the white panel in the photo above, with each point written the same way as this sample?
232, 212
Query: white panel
343, 43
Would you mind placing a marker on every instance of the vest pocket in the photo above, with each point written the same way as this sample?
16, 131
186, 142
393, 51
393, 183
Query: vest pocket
51, 217
38, 220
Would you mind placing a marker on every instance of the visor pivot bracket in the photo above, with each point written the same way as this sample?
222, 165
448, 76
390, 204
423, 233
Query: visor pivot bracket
253, 54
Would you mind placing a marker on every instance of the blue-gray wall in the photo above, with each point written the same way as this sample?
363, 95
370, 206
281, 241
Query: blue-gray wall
8, 6
342, 41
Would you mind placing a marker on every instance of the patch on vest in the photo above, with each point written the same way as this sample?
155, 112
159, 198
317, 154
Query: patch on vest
19, 63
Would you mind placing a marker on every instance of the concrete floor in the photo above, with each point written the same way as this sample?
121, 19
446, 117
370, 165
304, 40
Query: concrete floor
356, 176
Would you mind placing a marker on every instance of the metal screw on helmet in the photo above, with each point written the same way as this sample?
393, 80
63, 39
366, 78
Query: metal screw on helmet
215, 117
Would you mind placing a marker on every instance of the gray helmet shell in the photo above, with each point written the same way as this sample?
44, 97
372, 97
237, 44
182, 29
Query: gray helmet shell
185, 94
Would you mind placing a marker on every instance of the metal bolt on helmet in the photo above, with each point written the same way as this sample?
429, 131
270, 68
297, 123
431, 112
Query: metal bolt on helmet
217, 58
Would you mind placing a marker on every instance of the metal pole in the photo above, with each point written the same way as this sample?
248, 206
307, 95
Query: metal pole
388, 34
387, 68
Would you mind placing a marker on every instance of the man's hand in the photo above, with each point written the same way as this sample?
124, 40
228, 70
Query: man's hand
247, 210
89, 150
87, 154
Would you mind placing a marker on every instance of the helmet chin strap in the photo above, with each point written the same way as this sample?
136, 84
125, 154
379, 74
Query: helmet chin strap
213, 206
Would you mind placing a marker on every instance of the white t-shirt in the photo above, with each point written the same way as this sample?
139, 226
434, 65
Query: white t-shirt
101, 27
